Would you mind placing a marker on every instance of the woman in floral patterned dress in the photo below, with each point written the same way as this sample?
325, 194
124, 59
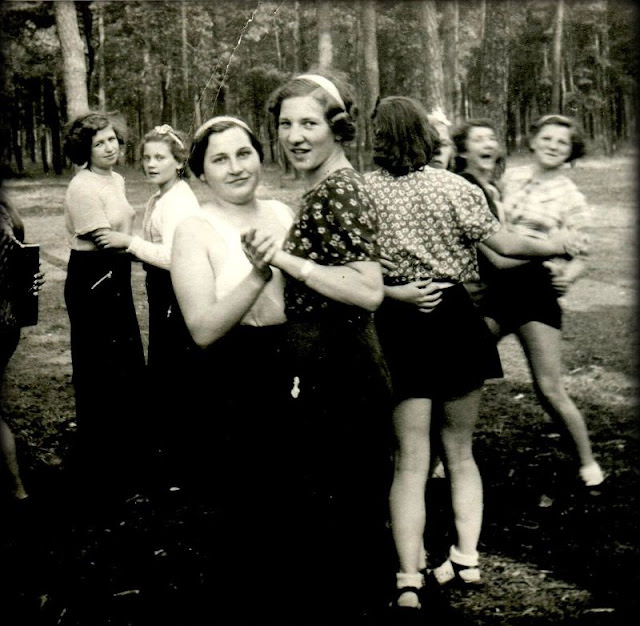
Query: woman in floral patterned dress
339, 387
430, 221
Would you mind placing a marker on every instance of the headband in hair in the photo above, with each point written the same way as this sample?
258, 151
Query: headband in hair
165, 129
327, 85
545, 119
220, 118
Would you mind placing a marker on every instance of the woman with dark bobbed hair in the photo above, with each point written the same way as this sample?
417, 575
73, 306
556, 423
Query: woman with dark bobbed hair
106, 347
338, 384
233, 404
430, 221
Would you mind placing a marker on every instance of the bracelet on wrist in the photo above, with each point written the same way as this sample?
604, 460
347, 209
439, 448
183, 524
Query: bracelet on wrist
305, 271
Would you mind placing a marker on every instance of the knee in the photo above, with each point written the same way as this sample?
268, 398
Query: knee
461, 462
550, 388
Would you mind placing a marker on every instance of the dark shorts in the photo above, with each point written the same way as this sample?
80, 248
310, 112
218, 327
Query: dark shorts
520, 295
442, 355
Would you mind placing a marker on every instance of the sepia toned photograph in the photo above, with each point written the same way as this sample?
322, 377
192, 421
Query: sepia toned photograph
319, 312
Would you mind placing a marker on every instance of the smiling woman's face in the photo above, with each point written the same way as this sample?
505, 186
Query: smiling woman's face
304, 133
552, 145
232, 166
482, 149
105, 149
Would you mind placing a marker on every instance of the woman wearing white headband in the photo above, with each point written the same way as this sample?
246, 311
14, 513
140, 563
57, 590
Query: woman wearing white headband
234, 310
338, 385
164, 152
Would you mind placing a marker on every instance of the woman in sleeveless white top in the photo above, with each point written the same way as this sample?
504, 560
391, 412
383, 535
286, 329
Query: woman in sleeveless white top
234, 310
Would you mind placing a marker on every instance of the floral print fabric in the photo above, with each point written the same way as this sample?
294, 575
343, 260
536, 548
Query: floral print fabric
335, 226
429, 222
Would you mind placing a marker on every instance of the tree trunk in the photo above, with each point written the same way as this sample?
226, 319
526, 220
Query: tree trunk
494, 68
556, 66
433, 87
604, 85
371, 74
73, 61
296, 37
148, 92
52, 121
102, 99
451, 77
325, 44
184, 99
276, 36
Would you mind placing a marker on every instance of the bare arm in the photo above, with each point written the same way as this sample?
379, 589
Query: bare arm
499, 261
197, 250
358, 283
510, 244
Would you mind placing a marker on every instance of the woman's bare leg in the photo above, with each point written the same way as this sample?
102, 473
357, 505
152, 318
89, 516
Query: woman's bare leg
9, 454
542, 346
411, 419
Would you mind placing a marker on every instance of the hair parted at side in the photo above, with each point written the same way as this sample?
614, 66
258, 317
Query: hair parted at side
341, 120
175, 140
404, 140
201, 141
575, 132
81, 130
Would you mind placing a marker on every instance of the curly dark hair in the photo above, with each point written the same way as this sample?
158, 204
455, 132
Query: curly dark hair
459, 136
342, 121
404, 140
575, 132
80, 133
201, 141
176, 141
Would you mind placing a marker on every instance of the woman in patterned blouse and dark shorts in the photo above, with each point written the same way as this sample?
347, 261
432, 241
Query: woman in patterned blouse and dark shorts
339, 387
429, 223
523, 296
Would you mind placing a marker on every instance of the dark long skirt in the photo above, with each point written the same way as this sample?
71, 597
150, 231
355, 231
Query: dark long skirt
340, 440
108, 367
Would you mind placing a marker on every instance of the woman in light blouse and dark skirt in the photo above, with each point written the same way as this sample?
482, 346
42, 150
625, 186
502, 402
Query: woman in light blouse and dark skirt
106, 347
430, 221
164, 153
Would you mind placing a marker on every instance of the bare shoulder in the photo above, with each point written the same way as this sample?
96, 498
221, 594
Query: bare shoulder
195, 228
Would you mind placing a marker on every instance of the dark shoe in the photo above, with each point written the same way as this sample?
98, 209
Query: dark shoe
406, 615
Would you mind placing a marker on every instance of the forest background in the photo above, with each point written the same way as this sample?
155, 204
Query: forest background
549, 557
182, 62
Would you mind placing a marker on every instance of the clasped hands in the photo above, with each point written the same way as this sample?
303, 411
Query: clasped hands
260, 248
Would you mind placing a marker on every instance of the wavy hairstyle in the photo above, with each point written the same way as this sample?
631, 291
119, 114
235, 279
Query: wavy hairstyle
575, 132
341, 120
80, 133
459, 136
404, 140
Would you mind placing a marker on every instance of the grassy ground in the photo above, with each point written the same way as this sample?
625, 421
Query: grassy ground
550, 556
